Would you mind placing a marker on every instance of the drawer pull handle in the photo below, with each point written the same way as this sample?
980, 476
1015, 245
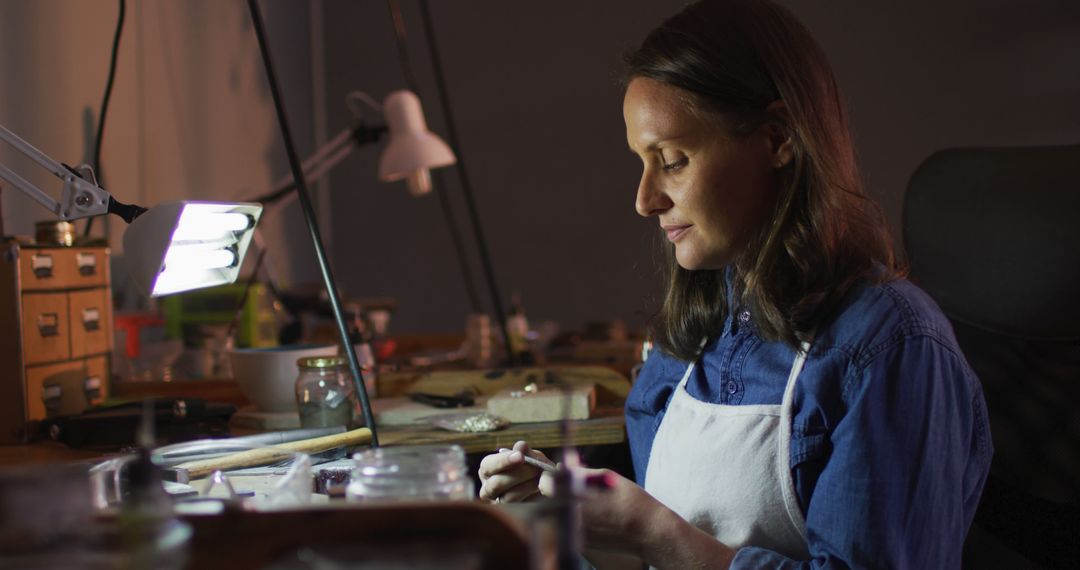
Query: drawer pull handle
92, 387
87, 263
51, 396
91, 318
48, 324
42, 264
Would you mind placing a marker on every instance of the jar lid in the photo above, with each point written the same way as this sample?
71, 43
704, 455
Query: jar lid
52, 232
401, 461
321, 361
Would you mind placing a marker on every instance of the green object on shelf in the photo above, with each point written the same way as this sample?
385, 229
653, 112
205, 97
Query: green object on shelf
216, 306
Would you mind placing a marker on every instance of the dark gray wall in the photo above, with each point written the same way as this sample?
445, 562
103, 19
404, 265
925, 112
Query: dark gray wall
536, 99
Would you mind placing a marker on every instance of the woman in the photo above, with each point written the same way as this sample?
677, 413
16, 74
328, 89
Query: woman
806, 405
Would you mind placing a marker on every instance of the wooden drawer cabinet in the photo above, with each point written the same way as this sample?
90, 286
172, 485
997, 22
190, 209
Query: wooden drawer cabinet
56, 310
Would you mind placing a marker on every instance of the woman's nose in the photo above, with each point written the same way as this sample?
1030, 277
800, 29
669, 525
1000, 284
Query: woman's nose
650, 200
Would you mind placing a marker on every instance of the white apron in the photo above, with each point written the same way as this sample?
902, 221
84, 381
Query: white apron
726, 469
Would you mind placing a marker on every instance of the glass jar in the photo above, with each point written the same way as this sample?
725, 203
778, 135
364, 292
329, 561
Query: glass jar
411, 473
324, 392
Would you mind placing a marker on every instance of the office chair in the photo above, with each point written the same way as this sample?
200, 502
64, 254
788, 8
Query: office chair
993, 235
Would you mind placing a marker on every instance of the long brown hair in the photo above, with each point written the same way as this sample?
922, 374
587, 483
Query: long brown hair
736, 57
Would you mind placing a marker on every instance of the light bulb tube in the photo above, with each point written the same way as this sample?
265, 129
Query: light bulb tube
194, 258
195, 225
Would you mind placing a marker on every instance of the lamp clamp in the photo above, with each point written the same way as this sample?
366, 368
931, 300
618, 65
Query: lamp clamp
363, 133
81, 196
126, 211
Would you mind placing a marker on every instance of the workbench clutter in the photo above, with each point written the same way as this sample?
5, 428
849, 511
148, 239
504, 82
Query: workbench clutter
143, 510
260, 472
208, 322
299, 386
267, 376
521, 405
533, 395
60, 528
270, 473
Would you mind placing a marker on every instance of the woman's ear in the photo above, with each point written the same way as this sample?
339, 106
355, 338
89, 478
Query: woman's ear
782, 143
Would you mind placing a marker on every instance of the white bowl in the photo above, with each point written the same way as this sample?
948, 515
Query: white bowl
267, 376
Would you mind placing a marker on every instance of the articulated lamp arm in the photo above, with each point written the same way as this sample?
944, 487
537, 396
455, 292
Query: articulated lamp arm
81, 197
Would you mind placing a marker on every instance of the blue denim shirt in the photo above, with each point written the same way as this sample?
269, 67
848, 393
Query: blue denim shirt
890, 445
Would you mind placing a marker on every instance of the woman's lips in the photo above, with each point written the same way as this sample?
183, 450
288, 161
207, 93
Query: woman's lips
675, 232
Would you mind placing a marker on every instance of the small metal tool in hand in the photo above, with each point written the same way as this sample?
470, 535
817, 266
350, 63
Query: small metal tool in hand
549, 467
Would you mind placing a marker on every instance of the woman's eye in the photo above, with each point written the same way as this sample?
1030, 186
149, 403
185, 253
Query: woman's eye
676, 164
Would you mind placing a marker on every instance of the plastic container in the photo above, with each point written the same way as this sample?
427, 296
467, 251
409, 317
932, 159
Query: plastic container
410, 473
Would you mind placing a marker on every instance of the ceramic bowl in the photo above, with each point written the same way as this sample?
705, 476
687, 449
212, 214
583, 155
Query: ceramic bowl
267, 376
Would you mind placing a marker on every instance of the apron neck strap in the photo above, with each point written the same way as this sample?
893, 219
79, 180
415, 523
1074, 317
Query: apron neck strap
796, 366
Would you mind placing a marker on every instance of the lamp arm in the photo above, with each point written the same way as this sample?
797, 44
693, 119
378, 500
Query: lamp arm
324, 158
16, 181
80, 198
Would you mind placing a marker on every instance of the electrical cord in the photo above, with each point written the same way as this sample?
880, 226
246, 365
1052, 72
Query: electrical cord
105, 105
440, 189
402, 45
355, 97
463, 177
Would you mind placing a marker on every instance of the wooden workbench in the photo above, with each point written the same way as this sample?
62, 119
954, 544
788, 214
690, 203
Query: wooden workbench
44, 452
606, 427
609, 428
603, 430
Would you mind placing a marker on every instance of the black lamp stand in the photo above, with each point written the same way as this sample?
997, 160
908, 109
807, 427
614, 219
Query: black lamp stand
309, 217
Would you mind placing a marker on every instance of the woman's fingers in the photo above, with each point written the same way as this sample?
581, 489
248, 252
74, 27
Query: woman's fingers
501, 472
521, 492
505, 475
508, 459
498, 485
497, 463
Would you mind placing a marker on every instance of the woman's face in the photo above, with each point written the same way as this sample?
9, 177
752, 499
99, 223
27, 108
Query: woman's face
710, 191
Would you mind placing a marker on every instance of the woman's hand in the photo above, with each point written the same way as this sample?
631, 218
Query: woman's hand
624, 518
505, 477
619, 518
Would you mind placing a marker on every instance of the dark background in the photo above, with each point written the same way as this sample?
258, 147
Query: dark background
536, 95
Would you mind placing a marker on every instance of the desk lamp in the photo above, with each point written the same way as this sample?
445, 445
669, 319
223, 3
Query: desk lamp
411, 152
173, 247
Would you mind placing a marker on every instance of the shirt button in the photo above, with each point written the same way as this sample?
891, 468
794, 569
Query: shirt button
732, 387
744, 316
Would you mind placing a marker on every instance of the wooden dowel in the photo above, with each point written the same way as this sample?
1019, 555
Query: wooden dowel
263, 456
